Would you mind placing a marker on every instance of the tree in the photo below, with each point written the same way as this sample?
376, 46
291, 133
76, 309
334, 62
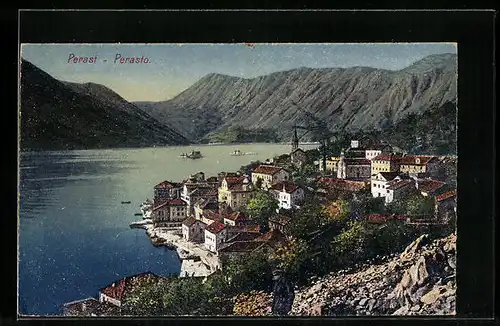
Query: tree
337, 211
350, 245
292, 257
308, 219
146, 299
415, 205
258, 183
252, 272
261, 207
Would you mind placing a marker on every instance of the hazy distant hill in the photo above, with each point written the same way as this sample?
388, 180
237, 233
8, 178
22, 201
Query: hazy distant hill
63, 115
350, 99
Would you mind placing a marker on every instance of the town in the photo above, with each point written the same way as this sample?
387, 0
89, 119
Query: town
214, 220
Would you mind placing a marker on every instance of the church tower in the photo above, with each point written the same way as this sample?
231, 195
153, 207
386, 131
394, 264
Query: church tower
295, 140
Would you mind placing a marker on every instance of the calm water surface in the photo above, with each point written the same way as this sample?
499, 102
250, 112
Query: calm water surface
74, 232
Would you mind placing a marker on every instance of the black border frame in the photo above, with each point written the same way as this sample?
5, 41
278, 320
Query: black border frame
472, 30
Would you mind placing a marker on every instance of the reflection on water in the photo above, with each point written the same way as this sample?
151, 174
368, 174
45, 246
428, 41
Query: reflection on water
74, 231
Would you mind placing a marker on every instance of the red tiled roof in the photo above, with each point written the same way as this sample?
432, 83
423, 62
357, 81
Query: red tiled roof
241, 246
399, 184
446, 195
236, 216
168, 185
387, 157
270, 170
119, 289
245, 228
215, 227
171, 202
273, 236
411, 159
211, 215
289, 188
429, 185
244, 236
233, 180
189, 221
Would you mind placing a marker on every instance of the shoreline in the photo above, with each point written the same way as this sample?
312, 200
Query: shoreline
195, 260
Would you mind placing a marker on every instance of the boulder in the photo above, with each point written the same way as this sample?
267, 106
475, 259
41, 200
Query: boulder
433, 295
410, 251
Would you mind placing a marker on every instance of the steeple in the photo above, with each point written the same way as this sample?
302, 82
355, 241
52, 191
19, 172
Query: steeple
295, 140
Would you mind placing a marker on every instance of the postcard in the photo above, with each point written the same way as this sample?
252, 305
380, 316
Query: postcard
242, 179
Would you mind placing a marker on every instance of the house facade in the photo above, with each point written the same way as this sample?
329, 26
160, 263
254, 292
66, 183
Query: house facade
235, 192
414, 164
279, 222
375, 150
288, 195
166, 190
385, 163
331, 164
205, 205
380, 181
193, 230
169, 214
215, 236
193, 192
269, 175
354, 168
235, 219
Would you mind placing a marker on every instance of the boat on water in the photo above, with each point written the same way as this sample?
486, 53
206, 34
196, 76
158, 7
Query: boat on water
237, 152
192, 155
126, 202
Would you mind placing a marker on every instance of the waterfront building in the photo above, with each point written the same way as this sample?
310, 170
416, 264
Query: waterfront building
166, 190
235, 192
269, 174
385, 163
118, 291
170, 213
194, 191
215, 236
193, 230
288, 195
380, 181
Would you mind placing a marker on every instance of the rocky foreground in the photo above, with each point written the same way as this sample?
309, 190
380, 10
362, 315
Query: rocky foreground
419, 281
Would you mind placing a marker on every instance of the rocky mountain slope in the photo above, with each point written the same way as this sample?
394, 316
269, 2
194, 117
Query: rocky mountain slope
351, 99
419, 281
63, 115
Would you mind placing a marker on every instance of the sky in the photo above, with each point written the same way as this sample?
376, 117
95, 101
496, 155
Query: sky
171, 68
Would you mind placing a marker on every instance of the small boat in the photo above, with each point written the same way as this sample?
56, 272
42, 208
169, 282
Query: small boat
250, 153
126, 202
237, 152
138, 214
183, 155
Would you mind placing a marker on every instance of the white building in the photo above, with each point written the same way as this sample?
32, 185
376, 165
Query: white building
193, 230
215, 236
269, 175
380, 181
288, 195
375, 150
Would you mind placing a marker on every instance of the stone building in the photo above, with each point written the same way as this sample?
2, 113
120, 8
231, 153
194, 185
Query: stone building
235, 192
169, 214
269, 175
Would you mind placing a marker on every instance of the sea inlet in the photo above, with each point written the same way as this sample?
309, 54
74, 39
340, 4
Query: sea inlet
74, 235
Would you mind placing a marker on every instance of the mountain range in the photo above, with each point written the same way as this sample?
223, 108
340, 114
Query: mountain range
350, 100
62, 115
